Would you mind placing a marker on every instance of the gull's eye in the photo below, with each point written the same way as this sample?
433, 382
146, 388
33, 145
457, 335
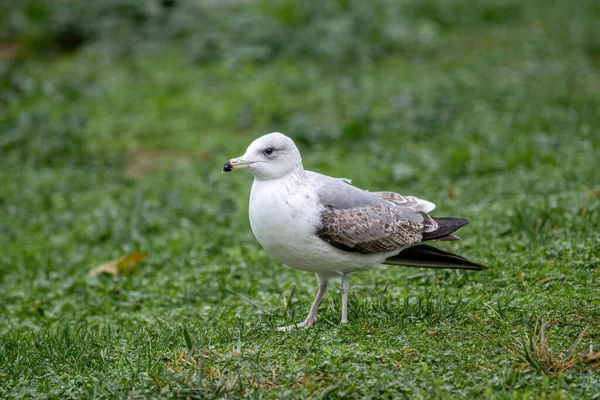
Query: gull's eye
268, 151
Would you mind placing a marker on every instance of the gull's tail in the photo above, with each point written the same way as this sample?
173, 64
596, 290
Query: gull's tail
425, 256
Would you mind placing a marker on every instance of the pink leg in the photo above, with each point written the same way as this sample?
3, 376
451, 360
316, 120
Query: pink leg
344, 288
312, 315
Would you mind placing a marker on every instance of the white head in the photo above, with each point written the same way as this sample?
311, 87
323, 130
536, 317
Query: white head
270, 156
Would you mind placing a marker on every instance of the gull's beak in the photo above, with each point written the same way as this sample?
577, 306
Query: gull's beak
236, 163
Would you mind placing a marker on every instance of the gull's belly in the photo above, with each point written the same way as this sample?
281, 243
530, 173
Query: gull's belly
284, 223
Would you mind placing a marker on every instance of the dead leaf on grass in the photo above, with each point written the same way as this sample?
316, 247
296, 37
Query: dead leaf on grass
143, 163
122, 265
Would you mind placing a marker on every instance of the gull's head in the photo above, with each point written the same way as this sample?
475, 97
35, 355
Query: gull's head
270, 156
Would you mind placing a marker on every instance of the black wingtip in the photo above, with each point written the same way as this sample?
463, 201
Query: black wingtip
446, 227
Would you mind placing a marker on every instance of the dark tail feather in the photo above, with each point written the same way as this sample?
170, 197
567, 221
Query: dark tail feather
425, 256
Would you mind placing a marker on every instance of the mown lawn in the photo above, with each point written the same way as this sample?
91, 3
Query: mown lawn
490, 109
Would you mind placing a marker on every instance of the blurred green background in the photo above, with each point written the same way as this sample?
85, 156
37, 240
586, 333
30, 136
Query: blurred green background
117, 115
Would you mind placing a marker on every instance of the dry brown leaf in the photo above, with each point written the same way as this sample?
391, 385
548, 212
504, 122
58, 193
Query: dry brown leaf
122, 265
141, 164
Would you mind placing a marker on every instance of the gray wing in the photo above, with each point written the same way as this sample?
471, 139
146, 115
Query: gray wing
356, 220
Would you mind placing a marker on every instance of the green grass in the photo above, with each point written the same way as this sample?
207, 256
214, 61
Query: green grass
492, 112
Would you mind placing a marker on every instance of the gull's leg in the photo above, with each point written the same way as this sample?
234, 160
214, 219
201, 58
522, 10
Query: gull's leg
312, 315
344, 289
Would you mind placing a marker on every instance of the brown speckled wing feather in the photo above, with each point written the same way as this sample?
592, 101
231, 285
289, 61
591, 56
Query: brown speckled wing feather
373, 229
355, 220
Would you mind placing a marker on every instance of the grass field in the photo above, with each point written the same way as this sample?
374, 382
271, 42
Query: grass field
490, 109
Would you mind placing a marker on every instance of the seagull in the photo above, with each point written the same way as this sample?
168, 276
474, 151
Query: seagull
320, 224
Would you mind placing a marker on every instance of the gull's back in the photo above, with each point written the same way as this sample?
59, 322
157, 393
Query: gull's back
339, 194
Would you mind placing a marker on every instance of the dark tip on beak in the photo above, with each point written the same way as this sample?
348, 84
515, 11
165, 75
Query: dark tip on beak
227, 167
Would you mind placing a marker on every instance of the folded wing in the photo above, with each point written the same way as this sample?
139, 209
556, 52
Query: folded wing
356, 220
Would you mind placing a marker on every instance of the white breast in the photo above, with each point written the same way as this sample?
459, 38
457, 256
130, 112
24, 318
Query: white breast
284, 216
